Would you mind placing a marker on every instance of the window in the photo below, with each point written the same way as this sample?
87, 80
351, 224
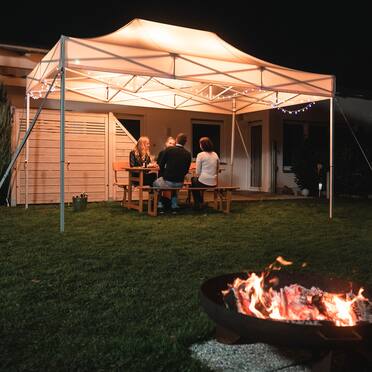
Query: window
319, 135
205, 130
293, 136
133, 126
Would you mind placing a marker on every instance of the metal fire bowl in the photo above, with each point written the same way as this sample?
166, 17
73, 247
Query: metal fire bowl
251, 329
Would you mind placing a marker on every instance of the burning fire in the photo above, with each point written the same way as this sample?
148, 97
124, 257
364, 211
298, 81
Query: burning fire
295, 302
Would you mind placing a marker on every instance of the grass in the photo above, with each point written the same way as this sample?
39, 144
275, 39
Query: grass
119, 290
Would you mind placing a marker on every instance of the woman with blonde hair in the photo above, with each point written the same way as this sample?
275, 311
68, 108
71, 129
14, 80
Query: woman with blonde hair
140, 157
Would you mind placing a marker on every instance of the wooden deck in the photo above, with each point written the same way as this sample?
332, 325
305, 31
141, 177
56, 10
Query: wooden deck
257, 195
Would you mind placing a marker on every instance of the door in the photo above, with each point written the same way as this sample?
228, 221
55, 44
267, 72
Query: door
205, 130
256, 156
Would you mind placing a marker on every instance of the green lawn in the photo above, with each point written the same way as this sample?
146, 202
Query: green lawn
119, 290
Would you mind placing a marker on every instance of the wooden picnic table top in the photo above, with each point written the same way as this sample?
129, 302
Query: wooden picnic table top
156, 167
141, 168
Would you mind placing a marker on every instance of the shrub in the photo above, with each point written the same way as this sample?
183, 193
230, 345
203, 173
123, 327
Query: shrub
352, 173
305, 167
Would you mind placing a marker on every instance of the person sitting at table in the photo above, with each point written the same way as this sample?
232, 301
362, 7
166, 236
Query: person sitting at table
174, 165
170, 142
140, 157
207, 166
166, 195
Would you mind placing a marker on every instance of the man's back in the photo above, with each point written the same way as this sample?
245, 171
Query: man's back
175, 163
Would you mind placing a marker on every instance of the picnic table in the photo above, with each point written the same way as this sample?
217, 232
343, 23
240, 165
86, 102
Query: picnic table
222, 195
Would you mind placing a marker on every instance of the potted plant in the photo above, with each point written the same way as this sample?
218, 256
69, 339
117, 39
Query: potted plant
79, 202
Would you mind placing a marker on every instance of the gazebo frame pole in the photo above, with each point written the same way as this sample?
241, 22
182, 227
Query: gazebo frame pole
232, 140
27, 148
331, 173
62, 137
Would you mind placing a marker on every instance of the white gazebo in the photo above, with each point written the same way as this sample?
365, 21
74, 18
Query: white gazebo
157, 65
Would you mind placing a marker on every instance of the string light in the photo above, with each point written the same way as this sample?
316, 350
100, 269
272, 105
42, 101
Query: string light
295, 112
277, 104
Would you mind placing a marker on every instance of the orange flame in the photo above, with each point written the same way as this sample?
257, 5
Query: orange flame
293, 302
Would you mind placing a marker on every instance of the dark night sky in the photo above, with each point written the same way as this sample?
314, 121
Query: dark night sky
304, 36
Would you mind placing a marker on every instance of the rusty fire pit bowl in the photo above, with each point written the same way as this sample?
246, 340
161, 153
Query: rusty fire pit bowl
301, 334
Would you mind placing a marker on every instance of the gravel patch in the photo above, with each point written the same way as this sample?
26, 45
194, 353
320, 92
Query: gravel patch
250, 357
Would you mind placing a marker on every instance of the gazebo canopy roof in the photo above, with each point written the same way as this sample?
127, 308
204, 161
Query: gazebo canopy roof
152, 64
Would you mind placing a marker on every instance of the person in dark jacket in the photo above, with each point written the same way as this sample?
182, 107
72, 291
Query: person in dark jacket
174, 165
140, 157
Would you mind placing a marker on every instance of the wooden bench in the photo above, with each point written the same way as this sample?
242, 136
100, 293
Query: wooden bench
221, 196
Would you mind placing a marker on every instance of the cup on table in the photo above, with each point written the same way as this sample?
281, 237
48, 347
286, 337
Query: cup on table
152, 161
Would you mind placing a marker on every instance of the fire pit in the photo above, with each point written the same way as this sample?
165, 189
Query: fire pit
308, 333
329, 317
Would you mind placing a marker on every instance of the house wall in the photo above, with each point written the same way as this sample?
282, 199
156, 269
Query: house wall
94, 139
158, 124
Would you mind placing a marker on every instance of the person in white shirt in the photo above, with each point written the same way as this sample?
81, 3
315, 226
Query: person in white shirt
207, 167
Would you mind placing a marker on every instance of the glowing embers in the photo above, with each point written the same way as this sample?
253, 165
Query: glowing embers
260, 296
